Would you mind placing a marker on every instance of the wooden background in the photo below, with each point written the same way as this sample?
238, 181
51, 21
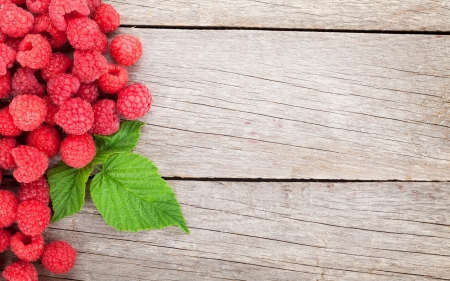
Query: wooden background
306, 140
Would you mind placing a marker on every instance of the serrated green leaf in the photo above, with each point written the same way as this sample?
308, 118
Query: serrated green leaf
124, 140
131, 195
67, 189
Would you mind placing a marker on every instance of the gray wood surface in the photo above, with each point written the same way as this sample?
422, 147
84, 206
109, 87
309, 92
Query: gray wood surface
265, 104
274, 231
416, 15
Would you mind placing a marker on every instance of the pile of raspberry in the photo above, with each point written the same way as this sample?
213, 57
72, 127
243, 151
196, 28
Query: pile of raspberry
57, 88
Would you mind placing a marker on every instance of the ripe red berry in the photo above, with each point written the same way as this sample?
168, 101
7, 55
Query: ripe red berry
60, 10
61, 87
101, 44
28, 112
93, 5
33, 217
106, 118
2, 37
89, 65
31, 163
34, 51
13, 43
5, 240
52, 109
114, 80
134, 101
5, 85
6, 158
88, 92
27, 248
38, 6
75, 116
59, 63
126, 49
15, 21
59, 257
7, 127
82, 33
35, 190
8, 208
46, 139
7, 58
20, 271
78, 151
107, 18
24, 82
44, 25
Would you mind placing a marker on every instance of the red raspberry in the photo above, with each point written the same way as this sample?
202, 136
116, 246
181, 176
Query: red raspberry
24, 82
20, 271
59, 63
2, 37
31, 163
114, 80
7, 58
89, 65
61, 87
13, 43
75, 117
93, 5
106, 118
126, 49
38, 6
28, 111
59, 257
33, 217
18, 2
6, 158
5, 85
134, 101
89, 92
43, 25
8, 208
27, 248
5, 240
82, 33
46, 139
7, 127
52, 109
60, 10
101, 44
107, 18
15, 21
34, 51
35, 190
78, 151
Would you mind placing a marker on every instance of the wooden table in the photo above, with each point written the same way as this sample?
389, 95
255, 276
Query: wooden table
306, 140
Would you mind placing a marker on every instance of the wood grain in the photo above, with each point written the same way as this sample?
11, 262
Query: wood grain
409, 15
274, 231
262, 104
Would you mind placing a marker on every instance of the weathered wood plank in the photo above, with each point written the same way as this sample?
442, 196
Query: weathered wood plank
259, 104
275, 231
416, 15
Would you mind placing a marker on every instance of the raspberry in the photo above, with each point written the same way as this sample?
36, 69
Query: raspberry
38, 6
27, 248
28, 111
89, 65
61, 87
59, 63
52, 109
18, 2
33, 217
13, 43
24, 82
7, 58
20, 271
6, 158
35, 190
59, 257
46, 139
8, 208
60, 10
7, 127
34, 51
2, 37
89, 92
101, 44
82, 33
31, 164
107, 18
134, 101
15, 21
5, 240
75, 116
5, 85
106, 118
43, 24
126, 49
93, 5
78, 151
114, 80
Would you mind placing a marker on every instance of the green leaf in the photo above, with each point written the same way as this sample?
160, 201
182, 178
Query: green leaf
124, 140
67, 189
132, 196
